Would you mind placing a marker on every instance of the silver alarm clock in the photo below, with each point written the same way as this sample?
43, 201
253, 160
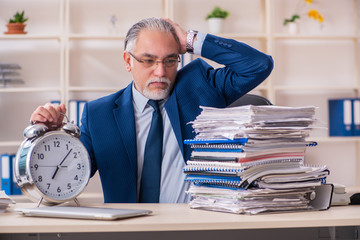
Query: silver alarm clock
52, 166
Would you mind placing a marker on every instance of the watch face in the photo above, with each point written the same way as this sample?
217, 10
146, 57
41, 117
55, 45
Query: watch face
59, 166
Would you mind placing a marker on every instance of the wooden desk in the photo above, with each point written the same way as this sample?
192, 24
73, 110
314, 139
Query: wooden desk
177, 218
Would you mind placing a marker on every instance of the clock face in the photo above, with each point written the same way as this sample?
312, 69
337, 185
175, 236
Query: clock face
59, 166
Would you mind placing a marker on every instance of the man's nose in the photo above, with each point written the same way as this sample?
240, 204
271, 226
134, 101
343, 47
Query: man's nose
159, 69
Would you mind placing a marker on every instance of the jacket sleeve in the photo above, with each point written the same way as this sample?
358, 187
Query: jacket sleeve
244, 67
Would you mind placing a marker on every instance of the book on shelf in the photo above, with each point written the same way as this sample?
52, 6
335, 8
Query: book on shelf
8, 182
344, 117
5, 161
75, 110
55, 102
185, 59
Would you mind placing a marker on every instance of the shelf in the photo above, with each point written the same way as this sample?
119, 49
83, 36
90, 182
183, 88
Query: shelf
96, 37
94, 89
316, 37
243, 36
29, 90
30, 37
10, 143
315, 88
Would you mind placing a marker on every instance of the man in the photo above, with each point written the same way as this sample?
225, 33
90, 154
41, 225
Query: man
115, 128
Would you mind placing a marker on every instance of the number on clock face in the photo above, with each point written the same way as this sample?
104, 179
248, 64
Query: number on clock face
60, 166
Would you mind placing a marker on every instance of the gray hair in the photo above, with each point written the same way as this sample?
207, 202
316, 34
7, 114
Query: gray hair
154, 24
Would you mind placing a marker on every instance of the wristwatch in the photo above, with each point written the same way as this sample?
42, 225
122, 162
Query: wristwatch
191, 34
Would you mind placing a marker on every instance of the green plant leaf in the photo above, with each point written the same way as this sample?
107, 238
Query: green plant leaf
18, 18
292, 19
217, 12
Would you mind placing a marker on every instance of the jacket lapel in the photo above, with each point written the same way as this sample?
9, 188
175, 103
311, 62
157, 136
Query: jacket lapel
173, 113
124, 116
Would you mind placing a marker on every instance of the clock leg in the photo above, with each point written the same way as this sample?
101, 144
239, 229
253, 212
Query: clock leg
39, 202
77, 202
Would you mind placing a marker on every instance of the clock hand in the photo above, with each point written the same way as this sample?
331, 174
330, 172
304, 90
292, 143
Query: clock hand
65, 157
57, 169
59, 166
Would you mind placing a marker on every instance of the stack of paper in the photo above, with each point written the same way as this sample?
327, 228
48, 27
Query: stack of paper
250, 201
5, 200
251, 149
255, 122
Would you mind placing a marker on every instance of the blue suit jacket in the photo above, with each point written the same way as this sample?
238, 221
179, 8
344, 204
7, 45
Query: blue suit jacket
108, 124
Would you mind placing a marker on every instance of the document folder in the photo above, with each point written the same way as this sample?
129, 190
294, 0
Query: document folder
341, 117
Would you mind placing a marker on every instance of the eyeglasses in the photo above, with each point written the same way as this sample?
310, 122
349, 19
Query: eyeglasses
149, 62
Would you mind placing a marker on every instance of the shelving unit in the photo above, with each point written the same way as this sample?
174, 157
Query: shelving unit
85, 61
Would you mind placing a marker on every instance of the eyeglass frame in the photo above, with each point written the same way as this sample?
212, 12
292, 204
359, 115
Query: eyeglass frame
156, 62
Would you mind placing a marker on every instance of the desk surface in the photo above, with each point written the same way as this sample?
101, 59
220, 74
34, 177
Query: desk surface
178, 217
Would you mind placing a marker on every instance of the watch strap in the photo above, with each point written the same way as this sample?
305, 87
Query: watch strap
191, 34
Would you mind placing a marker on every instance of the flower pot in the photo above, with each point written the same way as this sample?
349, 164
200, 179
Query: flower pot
15, 28
216, 25
293, 27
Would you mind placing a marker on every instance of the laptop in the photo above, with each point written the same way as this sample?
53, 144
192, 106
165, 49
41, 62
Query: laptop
83, 212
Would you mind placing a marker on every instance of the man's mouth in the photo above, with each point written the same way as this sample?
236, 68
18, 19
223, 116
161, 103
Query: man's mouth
158, 84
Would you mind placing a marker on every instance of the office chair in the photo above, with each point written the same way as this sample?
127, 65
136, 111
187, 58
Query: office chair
251, 99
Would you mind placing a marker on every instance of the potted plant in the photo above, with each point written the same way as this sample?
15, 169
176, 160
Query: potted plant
216, 19
293, 21
292, 24
17, 24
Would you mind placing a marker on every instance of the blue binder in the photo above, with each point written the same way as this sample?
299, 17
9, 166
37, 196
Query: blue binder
75, 109
56, 102
5, 173
15, 189
341, 117
356, 117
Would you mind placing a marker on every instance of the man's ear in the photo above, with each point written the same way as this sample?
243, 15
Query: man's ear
127, 60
